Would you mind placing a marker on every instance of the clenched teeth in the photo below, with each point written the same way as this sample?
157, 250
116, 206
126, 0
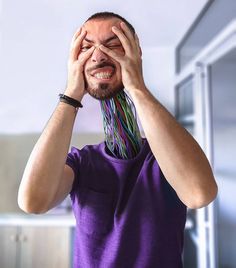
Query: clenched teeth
103, 75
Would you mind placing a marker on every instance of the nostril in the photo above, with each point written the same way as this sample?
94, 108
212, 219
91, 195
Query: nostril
99, 58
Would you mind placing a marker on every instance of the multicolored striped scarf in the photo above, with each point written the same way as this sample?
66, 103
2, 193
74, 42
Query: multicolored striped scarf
122, 134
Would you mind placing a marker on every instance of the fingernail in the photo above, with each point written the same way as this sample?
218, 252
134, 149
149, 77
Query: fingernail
114, 28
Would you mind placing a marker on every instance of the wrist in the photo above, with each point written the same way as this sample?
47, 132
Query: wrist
71, 94
142, 90
67, 107
71, 101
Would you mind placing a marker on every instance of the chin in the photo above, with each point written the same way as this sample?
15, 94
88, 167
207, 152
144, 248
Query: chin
104, 91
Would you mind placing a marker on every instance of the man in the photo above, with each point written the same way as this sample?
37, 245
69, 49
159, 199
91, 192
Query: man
129, 194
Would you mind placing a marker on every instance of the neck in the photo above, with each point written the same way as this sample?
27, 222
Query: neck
122, 134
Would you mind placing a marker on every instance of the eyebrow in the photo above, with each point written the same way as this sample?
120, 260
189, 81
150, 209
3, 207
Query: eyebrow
105, 41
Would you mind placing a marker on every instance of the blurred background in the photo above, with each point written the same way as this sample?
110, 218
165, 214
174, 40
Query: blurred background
189, 63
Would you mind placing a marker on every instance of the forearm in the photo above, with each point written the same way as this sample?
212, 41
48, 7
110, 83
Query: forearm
181, 159
46, 181
45, 166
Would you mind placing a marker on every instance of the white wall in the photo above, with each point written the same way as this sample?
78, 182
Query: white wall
158, 63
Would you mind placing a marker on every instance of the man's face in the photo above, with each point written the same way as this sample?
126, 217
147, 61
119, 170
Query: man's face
102, 73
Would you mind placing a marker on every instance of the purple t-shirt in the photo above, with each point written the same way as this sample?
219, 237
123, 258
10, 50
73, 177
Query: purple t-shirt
127, 214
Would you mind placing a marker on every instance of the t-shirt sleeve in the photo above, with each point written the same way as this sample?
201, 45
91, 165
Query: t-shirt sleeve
73, 160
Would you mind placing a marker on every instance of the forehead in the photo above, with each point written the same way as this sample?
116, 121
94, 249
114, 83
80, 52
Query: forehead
100, 29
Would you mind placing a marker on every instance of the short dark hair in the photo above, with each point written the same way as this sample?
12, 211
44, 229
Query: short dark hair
107, 15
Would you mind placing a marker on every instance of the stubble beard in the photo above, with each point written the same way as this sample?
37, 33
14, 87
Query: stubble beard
103, 91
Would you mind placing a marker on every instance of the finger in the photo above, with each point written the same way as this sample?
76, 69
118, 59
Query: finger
76, 34
110, 53
127, 31
75, 49
86, 55
136, 39
123, 39
137, 44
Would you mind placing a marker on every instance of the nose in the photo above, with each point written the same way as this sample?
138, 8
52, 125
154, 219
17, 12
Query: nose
99, 56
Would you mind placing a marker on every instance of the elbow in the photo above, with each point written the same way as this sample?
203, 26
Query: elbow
30, 207
203, 198
31, 201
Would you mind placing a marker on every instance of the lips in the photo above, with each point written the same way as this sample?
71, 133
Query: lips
103, 73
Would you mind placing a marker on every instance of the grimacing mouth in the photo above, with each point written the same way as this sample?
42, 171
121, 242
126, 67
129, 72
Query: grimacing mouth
103, 74
103, 70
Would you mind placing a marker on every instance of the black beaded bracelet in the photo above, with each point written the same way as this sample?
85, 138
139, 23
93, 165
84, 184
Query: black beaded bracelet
71, 101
